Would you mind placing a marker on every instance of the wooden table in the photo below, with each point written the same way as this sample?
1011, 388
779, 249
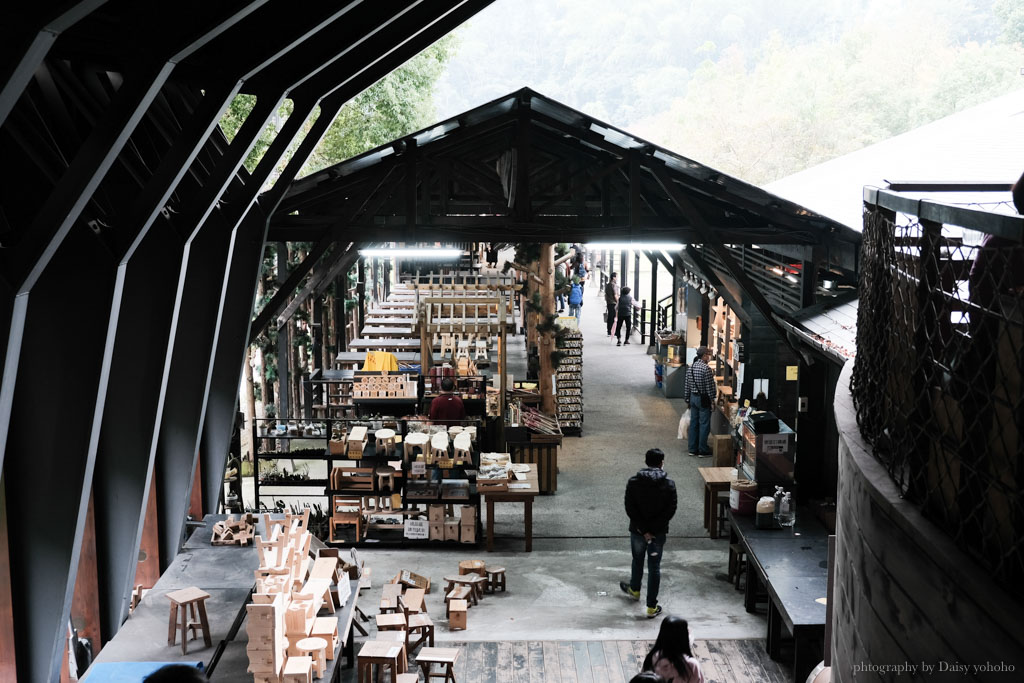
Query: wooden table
514, 495
356, 358
716, 479
384, 344
791, 565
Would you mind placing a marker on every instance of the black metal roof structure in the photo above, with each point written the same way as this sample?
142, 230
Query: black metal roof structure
131, 239
528, 166
130, 242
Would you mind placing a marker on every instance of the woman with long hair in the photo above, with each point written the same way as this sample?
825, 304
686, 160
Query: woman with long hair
672, 655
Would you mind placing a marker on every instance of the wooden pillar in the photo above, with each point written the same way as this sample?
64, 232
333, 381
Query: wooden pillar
546, 341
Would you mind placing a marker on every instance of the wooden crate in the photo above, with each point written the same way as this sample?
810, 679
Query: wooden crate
544, 455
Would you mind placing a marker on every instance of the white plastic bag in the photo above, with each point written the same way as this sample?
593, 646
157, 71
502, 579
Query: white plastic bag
684, 425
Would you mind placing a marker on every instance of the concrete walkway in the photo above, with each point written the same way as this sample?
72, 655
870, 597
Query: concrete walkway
567, 588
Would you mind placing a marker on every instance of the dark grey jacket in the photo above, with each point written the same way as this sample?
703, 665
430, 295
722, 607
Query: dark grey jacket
650, 501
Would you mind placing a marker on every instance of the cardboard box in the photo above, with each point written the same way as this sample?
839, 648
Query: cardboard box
451, 529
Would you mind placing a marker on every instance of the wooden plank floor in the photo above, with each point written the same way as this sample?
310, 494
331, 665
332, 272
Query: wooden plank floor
596, 661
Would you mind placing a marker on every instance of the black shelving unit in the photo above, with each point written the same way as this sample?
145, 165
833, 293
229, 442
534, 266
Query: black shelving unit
371, 459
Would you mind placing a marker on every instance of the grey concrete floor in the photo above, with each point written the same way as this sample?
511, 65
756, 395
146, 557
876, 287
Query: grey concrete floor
567, 588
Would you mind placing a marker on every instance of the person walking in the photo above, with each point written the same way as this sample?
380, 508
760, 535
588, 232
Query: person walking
650, 504
611, 298
671, 657
576, 299
624, 311
699, 387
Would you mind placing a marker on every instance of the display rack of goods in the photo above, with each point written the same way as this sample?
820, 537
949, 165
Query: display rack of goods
569, 384
385, 386
493, 474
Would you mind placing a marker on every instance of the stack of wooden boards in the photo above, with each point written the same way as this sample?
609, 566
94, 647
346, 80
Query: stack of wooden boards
234, 531
291, 589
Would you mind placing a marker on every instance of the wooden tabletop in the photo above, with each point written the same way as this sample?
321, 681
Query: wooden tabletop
438, 655
382, 649
533, 488
716, 475
390, 620
187, 595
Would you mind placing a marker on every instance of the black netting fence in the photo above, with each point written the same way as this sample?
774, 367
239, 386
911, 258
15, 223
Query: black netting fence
937, 382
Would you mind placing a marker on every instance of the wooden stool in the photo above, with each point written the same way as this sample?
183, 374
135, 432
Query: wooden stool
472, 567
383, 654
193, 603
457, 614
481, 350
316, 649
445, 656
326, 628
408, 678
495, 579
391, 622
420, 625
389, 596
385, 441
457, 593
463, 349
722, 511
737, 563
438, 447
297, 670
447, 345
385, 477
463, 449
401, 637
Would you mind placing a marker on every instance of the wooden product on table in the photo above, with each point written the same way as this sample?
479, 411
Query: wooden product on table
316, 649
326, 628
192, 602
390, 593
356, 440
297, 670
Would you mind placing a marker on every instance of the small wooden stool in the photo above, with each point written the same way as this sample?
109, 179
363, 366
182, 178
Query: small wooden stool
422, 626
385, 441
457, 614
408, 678
391, 622
385, 477
316, 649
447, 345
326, 628
438, 446
445, 656
413, 441
297, 670
481, 350
401, 637
383, 654
472, 567
193, 603
495, 579
463, 449
463, 349
457, 593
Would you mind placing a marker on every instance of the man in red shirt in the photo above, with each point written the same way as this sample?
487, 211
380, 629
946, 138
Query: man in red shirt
447, 408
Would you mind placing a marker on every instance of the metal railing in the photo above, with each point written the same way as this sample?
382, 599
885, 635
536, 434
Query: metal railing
938, 381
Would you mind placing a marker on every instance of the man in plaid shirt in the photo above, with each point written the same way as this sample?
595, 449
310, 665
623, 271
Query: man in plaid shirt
701, 391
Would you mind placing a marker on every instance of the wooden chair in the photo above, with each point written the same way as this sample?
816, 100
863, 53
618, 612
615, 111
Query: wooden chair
389, 598
302, 518
421, 628
342, 513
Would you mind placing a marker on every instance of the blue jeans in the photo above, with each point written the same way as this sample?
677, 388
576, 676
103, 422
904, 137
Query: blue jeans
700, 425
574, 309
653, 551
561, 301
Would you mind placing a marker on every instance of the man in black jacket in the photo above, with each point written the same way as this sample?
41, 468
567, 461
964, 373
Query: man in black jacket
650, 504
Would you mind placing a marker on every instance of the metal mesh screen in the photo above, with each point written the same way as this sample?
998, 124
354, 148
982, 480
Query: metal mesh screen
937, 382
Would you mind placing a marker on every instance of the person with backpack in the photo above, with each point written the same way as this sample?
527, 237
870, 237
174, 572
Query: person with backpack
576, 298
624, 312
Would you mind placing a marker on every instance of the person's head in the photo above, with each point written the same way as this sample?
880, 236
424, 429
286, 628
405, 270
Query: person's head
674, 638
655, 457
614, 276
575, 279
704, 353
176, 673
625, 291
447, 384
647, 677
